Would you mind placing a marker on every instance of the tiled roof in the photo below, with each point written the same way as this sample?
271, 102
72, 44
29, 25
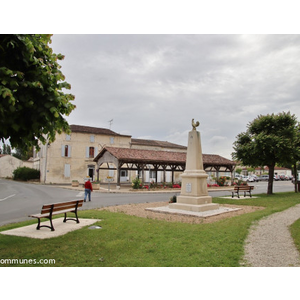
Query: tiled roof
168, 157
94, 130
214, 159
154, 143
139, 155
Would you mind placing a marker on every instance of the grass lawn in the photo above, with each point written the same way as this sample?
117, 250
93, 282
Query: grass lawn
129, 241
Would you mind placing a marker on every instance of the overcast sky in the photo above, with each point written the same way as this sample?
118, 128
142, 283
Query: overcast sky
153, 85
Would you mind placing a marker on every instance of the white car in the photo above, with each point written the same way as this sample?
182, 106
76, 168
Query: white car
252, 178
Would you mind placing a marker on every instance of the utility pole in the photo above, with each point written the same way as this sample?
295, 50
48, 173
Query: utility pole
110, 122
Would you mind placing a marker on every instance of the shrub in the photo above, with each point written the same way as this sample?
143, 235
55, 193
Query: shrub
169, 185
136, 183
176, 186
173, 199
221, 181
25, 174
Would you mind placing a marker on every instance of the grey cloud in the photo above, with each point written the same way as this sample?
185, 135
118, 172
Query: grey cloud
153, 85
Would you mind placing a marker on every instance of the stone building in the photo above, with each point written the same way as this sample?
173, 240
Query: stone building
88, 152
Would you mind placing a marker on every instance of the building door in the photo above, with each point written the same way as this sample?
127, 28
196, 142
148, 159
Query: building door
91, 172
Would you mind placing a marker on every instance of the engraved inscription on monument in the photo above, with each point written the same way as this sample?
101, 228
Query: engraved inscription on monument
188, 188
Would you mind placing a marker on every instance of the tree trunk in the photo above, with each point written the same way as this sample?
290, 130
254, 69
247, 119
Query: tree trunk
295, 177
271, 178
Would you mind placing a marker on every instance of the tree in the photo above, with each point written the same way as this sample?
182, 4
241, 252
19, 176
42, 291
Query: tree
269, 140
296, 155
20, 153
32, 105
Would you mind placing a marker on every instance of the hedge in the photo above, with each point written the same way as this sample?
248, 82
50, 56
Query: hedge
25, 174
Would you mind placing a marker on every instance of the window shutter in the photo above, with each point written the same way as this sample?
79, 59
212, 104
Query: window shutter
96, 152
62, 150
67, 170
87, 152
69, 151
111, 173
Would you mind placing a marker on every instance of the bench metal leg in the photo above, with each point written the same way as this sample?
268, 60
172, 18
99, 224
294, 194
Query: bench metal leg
52, 227
74, 219
39, 225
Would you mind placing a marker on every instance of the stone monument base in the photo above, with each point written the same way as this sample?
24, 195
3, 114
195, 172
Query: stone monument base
196, 200
194, 207
194, 203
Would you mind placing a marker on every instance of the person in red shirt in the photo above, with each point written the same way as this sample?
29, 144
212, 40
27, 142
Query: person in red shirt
88, 188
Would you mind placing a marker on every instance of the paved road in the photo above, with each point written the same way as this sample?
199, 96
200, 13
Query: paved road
18, 200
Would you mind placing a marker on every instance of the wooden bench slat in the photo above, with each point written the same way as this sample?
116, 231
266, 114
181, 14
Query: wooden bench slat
53, 213
62, 207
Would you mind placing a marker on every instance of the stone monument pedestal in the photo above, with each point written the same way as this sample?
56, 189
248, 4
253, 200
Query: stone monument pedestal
194, 195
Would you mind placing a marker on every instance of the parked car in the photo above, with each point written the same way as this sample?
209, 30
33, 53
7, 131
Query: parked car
283, 177
244, 178
252, 178
276, 177
263, 178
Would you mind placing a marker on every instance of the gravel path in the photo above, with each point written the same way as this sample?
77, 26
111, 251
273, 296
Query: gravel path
269, 243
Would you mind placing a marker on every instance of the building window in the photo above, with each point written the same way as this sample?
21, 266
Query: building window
112, 140
124, 173
92, 138
152, 174
68, 137
91, 152
66, 150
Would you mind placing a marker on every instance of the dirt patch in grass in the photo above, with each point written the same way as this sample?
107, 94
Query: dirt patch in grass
139, 211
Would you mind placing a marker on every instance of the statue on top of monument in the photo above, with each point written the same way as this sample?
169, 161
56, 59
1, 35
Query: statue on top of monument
195, 124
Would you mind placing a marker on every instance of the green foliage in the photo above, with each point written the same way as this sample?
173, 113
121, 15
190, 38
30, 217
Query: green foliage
221, 180
136, 183
23, 154
295, 232
173, 199
32, 103
269, 140
25, 174
238, 170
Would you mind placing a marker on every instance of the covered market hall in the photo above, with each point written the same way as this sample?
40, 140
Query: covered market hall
142, 160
